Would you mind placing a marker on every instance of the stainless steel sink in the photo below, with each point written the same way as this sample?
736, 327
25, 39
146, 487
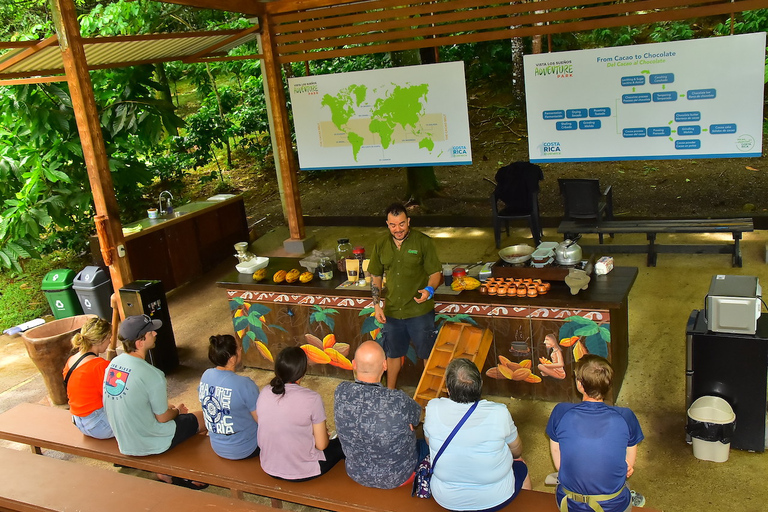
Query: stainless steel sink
172, 215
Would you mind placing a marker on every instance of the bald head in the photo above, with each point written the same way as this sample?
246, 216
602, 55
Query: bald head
370, 362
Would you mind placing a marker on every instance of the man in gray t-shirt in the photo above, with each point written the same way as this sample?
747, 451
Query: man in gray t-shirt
375, 424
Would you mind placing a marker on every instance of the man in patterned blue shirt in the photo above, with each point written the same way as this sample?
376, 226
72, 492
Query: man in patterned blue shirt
375, 424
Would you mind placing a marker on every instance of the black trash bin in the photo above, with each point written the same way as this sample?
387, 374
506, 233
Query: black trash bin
148, 298
94, 288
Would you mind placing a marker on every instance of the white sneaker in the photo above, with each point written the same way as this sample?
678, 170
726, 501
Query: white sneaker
551, 479
638, 500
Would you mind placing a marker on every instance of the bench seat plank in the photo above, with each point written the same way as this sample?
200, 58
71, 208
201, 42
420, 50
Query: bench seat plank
52, 428
31, 482
651, 227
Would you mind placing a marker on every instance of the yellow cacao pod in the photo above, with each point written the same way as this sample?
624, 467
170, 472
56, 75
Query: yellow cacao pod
306, 277
470, 283
260, 274
279, 276
292, 276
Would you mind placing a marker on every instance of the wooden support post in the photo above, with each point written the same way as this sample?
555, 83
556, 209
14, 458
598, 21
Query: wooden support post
91, 139
284, 149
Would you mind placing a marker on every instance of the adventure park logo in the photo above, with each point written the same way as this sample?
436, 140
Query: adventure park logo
309, 88
555, 69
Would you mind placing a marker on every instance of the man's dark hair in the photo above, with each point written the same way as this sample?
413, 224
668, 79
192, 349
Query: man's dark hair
290, 366
464, 382
395, 209
221, 347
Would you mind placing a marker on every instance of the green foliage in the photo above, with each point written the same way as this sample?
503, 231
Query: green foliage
22, 299
620, 36
745, 23
671, 31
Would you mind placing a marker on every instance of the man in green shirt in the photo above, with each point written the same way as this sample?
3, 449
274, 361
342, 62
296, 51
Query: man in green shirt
405, 308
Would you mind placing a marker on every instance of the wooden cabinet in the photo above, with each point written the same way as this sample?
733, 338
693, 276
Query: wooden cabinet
178, 250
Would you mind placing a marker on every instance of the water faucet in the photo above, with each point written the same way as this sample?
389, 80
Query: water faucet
163, 211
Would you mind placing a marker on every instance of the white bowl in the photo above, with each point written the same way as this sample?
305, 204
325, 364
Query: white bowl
251, 266
516, 253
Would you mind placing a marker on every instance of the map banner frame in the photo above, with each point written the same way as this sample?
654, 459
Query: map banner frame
700, 98
406, 116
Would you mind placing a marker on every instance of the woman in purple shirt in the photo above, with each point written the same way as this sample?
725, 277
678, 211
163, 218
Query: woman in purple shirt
292, 434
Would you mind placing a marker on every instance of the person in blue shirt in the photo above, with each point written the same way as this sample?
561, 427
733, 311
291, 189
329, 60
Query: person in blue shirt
229, 401
594, 445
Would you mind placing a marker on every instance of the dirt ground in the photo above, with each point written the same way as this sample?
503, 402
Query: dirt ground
660, 188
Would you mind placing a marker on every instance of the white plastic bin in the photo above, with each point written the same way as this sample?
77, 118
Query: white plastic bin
711, 426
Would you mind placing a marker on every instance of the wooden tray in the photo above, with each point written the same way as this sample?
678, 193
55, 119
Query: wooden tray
553, 272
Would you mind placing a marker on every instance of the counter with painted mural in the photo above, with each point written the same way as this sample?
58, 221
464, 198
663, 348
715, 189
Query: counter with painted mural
536, 341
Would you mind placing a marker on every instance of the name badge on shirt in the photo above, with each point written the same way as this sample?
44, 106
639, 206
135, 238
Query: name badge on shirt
413, 251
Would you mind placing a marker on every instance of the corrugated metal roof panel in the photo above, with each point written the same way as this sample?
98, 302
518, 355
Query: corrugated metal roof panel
118, 52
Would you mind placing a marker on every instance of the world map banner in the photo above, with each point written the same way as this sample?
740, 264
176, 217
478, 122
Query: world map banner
701, 98
406, 116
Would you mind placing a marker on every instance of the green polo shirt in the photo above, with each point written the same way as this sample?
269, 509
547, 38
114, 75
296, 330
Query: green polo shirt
408, 270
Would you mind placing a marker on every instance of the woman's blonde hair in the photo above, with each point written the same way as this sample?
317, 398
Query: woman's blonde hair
95, 331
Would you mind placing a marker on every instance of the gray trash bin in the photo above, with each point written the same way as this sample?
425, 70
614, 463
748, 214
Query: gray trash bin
94, 288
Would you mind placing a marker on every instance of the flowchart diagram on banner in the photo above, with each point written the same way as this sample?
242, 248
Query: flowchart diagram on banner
686, 99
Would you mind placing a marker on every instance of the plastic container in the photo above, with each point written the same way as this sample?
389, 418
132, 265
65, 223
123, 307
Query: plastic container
93, 287
711, 424
57, 286
343, 252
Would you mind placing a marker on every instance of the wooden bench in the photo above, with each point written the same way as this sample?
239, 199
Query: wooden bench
652, 227
32, 482
50, 428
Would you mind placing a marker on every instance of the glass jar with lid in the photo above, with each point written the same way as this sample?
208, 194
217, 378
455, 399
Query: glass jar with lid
343, 251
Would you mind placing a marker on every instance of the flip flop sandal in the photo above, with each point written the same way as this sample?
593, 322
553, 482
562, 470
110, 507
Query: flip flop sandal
189, 484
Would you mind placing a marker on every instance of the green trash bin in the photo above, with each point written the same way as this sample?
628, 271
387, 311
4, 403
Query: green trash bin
57, 286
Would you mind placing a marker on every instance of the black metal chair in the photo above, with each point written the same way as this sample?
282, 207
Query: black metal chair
517, 187
583, 200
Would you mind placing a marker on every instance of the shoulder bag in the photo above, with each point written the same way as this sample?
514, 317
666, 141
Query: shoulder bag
424, 470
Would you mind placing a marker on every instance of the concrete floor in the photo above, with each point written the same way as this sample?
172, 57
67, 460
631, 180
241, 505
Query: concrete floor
660, 302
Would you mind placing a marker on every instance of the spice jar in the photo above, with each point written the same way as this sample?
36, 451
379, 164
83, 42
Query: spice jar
343, 251
325, 269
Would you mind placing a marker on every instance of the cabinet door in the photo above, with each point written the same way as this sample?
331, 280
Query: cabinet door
148, 257
209, 240
183, 252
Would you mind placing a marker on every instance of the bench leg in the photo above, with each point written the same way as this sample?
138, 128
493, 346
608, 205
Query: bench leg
237, 494
737, 250
36, 450
277, 503
651, 249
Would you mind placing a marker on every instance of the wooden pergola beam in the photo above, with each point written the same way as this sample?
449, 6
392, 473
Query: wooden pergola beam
108, 225
251, 7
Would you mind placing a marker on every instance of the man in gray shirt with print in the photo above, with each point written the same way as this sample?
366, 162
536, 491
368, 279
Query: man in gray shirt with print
375, 424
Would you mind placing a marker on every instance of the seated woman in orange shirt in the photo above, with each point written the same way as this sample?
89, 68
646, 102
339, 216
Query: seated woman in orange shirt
84, 378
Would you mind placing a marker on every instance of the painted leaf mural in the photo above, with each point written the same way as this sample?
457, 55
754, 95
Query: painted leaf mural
370, 324
585, 336
323, 315
249, 321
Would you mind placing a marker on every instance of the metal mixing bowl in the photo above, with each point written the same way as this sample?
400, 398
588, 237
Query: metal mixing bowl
516, 253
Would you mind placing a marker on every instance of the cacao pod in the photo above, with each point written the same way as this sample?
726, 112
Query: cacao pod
521, 374
279, 276
306, 277
292, 276
260, 274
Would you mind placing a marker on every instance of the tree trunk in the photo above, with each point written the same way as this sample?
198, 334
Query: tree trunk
164, 90
421, 181
518, 85
221, 113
